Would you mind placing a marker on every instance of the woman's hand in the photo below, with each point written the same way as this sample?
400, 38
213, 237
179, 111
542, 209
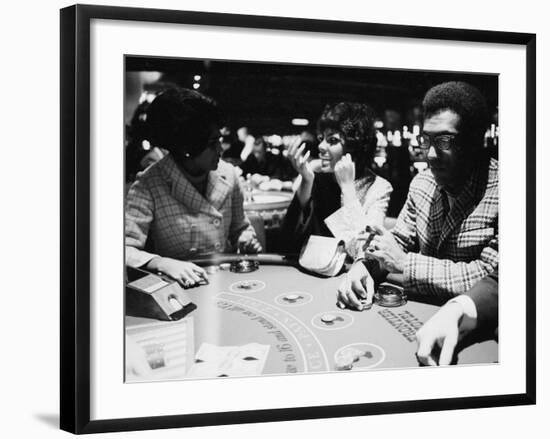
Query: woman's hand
248, 243
185, 273
344, 171
299, 160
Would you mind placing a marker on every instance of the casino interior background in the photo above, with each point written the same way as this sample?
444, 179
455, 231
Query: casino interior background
281, 101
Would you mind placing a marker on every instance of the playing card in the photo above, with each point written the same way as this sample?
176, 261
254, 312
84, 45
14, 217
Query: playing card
215, 361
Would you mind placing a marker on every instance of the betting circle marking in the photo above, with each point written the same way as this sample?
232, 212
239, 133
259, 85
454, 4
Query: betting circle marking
372, 355
247, 286
293, 298
341, 321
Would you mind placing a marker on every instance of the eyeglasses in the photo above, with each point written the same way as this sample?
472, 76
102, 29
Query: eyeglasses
443, 142
331, 139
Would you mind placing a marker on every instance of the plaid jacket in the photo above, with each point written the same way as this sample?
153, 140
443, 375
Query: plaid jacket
448, 254
165, 215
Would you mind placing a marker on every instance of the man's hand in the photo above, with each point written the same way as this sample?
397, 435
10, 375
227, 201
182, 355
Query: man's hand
356, 286
248, 243
386, 250
442, 330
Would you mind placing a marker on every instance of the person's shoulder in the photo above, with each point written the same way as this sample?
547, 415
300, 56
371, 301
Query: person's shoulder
492, 180
381, 184
156, 171
424, 181
227, 171
152, 177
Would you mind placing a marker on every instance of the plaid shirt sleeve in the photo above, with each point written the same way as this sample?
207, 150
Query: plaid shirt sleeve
138, 217
446, 278
239, 222
404, 230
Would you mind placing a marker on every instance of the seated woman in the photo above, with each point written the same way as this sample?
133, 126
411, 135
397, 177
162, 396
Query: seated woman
189, 202
341, 177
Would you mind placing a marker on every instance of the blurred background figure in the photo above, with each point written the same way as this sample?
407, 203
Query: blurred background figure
264, 162
392, 120
231, 147
247, 141
140, 154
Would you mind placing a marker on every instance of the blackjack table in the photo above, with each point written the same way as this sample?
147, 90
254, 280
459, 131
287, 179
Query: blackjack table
295, 314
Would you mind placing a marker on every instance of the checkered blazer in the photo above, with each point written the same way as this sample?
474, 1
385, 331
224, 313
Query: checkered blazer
448, 254
165, 215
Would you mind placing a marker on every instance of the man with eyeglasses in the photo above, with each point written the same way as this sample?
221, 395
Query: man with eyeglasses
446, 236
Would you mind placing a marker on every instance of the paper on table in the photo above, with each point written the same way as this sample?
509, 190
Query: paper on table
215, 361
346, 223
166, 349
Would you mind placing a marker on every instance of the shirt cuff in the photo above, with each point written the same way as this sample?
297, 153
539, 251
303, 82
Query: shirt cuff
469, 320
409, 272
137, 258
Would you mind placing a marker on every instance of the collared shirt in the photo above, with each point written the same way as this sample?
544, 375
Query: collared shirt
448, 253
166, 216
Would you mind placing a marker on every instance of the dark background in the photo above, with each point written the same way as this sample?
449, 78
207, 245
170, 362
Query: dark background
265, 97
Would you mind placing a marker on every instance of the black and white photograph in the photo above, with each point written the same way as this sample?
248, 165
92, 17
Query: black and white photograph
277, 218
292, 218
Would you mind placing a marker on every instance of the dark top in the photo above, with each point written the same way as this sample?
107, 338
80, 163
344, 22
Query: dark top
299, 223
485, 296
274, 166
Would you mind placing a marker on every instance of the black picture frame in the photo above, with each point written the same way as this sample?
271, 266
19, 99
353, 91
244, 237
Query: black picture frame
75, 217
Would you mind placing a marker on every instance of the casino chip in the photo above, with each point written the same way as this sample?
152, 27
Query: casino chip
247, 286
332, 320
347, 357
212, 269
359, 356
365, 305
390, 296
328, 318
292, 297
344, 362
244, 266
354, 352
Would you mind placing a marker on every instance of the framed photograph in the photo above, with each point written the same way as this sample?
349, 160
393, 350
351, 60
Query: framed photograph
268, 218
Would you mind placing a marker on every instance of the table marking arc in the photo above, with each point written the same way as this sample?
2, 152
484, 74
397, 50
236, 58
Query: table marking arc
268, 305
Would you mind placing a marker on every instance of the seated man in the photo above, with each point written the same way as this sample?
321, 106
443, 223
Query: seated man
475, 310
446, 236
263, 162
